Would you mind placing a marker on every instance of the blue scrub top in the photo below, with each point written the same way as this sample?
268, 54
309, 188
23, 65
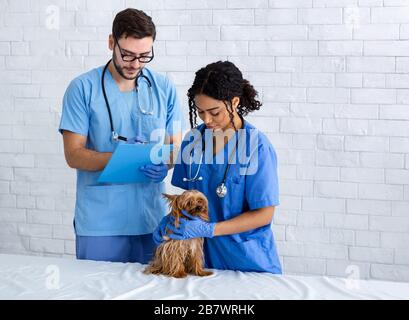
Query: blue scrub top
121, 209
251, 184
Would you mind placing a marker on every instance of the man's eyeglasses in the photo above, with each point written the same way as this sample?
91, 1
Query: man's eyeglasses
130, 58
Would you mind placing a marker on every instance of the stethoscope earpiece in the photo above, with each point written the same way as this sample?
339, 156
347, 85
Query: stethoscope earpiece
192, 180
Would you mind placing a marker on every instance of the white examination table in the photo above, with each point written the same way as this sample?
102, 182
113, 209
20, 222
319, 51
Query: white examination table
32, 277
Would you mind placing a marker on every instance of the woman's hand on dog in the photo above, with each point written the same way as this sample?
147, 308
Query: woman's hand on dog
194, 228
188, 229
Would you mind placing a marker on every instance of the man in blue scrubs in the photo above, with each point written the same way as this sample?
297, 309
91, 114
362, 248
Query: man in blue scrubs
115, 222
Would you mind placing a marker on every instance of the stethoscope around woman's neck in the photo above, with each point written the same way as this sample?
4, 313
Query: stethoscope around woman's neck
115, 136
221, 189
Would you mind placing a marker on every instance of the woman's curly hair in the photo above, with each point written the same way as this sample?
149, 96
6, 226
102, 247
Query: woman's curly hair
223, 81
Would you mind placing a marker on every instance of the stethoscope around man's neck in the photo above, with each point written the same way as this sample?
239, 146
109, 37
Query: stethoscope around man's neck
115, 136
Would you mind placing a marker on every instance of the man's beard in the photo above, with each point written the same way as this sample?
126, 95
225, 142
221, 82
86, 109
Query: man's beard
119, 70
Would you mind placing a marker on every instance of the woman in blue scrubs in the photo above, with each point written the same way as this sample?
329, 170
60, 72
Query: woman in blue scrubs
238, 235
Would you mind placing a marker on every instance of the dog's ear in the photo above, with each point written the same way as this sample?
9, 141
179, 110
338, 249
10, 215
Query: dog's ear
172, 206
203, 214
202, 208
170, 197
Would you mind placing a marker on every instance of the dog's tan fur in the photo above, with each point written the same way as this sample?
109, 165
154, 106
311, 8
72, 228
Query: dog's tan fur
178, 258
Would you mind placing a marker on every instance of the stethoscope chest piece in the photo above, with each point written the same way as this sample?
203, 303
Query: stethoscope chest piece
221, 190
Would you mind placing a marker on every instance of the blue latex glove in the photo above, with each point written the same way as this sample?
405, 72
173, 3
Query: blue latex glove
195, 228
155, 172
136, 140
160, 230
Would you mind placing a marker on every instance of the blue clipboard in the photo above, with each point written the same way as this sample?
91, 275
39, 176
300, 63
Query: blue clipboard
123, 167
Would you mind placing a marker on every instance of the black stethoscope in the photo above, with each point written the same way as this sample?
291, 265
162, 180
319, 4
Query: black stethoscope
221, 189
115, 136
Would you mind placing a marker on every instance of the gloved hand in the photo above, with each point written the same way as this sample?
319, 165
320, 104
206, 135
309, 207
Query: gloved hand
136, 140
160, 230
195, 228
155, 172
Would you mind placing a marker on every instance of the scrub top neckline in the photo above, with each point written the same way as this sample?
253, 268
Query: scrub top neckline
118, 92
112, 80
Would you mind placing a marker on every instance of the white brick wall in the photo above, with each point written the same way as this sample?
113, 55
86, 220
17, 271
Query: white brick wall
333, 76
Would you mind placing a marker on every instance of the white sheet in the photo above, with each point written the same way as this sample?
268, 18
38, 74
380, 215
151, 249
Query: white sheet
29, 277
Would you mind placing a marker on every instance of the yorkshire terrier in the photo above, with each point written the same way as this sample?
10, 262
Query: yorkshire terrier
178, 258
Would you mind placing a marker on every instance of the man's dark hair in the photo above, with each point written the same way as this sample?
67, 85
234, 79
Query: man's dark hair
133, 23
